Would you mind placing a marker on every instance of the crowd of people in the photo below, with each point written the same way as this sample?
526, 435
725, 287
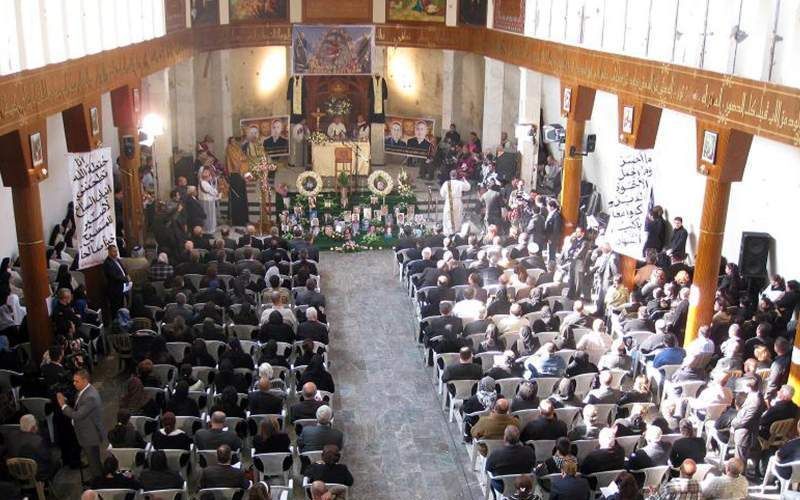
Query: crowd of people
227, 334
539, 341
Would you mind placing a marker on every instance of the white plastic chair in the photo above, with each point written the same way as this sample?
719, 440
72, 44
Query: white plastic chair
526, 416
462, 389
567, 415
653, 476
271, 465
583, 384
508, 386
543, 448
116, 494
545, 386
585, 446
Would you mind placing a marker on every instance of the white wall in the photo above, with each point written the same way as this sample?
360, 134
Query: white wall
55, 190
764, 201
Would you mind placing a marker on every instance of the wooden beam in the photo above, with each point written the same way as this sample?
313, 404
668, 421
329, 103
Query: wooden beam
126, 108
577, 102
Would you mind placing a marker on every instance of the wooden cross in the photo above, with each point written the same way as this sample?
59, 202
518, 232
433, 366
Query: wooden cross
318, 116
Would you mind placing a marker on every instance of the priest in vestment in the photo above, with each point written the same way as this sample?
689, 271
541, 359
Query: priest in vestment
451, 192
337, 130
299, 144
236, 162
378, 93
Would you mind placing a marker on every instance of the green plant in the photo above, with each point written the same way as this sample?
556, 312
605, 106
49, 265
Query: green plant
343, 179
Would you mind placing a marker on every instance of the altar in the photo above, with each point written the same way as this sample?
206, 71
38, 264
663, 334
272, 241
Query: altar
332, 157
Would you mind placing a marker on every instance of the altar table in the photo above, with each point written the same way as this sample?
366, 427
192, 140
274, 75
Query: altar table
324, 156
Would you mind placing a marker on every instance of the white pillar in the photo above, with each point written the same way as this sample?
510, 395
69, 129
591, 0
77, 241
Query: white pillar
451, 14
530, 104
490, 14
155, 99
511, 96
226, 108
492, 103
184, 118
448, 91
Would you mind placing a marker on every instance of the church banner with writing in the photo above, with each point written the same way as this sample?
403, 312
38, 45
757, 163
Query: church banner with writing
629, 206
92, 179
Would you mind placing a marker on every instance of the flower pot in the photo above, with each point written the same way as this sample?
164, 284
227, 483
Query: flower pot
344, 196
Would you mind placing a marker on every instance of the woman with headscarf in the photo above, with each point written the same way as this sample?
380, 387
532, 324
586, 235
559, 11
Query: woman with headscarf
246, 315
185, 375
483, 400
199, 356
159, 354
226, 376
237, 357
492, 341
500, 304
527, 343
137, 400
580, 364
228, 403
124, 435
565, 395
269, 354
158, 476
526, 397
180, 403
64, 278
317, 373
275, 329
547, 322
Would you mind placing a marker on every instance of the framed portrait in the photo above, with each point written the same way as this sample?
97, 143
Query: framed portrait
37, 149
709, 153
431, 11
627, 119
566, 101
273, 133
95, 119
257, 11
137, 102
205, 12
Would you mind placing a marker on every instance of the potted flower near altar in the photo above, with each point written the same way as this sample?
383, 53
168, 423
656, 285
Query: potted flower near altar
343, 183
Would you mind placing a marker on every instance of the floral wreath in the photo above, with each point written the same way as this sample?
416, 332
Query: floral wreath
380, 176
306, 177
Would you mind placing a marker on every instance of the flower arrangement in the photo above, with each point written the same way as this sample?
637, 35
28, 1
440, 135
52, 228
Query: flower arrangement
260, 167
349, 246
404, 187
380, 183
318, 138
373, 241
309, 184
338, 106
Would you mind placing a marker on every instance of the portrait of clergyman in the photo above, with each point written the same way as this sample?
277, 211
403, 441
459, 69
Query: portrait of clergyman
95, 119
627, 119
566, 103
37, 151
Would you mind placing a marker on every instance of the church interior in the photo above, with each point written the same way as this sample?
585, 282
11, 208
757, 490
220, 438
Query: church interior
543, 248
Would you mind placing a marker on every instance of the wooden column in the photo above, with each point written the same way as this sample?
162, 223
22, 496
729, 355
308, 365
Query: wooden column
85, 134
22, 167
125, 107
729, 158
637, 126
577, 102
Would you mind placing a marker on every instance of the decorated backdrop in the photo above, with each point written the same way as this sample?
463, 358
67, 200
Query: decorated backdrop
332, 50
432, 11
404, 135
259, 10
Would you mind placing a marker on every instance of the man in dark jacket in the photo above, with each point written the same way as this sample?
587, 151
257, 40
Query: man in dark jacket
262, 402
783, 409
545, 426
195, 215
512, 458
116, 279
569, 486
222, 474
465, 369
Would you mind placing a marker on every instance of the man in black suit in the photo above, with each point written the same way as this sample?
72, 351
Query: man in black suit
505, 165
308, 404
783, 409
677, 242
439, 325
250, 263
607, 457
213, 438
262, 402
273, 252
195, 215
655, 452
425, 262
640, 323
28, 443
223, 266
688, 446
569, 486
545, 426
222, 474
316, 437
430, 276
192, 266
116, 279
552, 229
312, 329
249, 238
433, 297
465, 369
309, 296
605, 394
512, 458
225, 234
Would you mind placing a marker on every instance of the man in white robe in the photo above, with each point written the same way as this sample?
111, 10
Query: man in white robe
337, 130
451, 192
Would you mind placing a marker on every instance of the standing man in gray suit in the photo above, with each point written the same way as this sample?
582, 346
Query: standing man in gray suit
87, 418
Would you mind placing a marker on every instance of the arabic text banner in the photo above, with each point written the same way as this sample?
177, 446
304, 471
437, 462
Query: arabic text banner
92, 181
629, 206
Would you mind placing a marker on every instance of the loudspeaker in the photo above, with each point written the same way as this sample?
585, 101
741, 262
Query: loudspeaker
753, 254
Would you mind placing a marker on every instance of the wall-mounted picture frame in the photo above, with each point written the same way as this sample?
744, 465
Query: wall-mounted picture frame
709, 153
566, 102
95, 119
37, 149
627, 119
137, 102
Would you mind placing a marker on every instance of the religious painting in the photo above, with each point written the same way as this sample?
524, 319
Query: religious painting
332, 50
426, 11
273, 133
509, 15
566, 101
472, 12
259, 10
95, 119
205, 12
37, 150
709, 153
408, 136
627, 119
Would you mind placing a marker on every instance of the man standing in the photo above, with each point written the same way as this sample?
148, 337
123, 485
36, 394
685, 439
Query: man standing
505, 165
337, 129
87, 418
116, 279
552, 229
451, 192
745, 424
677, 242
300, 133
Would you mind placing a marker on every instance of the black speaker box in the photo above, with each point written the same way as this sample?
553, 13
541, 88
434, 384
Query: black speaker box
753, 254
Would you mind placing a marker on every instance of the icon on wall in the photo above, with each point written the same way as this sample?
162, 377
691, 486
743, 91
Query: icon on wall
127, 146
566, 103
627, 119
95, 119
37, 150
136, 101
709, 153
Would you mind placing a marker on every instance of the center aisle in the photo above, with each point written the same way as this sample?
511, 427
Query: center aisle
398, 443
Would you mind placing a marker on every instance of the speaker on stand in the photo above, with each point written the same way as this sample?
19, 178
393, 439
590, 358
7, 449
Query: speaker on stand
753, 256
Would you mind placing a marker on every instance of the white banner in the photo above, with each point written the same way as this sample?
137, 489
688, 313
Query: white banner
628, 209
92, 179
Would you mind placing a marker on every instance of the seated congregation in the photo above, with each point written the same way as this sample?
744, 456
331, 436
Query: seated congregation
566, 382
